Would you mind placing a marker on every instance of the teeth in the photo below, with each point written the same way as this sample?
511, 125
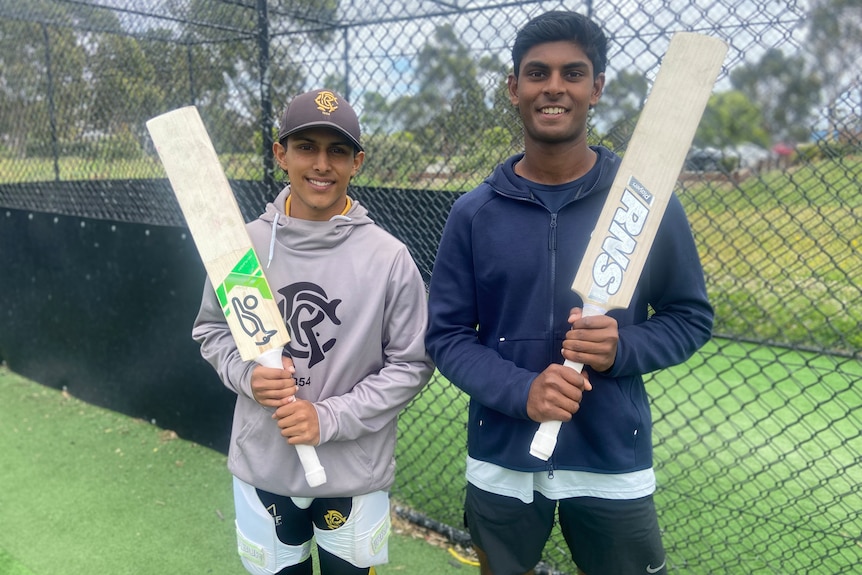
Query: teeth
555, 110
318, 182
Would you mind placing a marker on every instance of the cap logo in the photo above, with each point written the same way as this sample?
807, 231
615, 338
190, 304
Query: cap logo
326, 101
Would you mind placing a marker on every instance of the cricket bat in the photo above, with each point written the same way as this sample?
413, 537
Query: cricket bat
218, 229
620, 243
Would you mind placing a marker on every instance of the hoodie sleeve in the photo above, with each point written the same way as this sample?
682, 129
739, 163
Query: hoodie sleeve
377, 399
453, 338
673, 285
211, 331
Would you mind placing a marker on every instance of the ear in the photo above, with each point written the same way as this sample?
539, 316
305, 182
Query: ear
280, 153
512, 83
598, 88
358, 159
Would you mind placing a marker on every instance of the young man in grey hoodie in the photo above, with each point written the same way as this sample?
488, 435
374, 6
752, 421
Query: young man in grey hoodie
355, 305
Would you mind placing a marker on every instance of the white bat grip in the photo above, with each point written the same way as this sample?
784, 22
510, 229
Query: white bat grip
545, 438
314, 472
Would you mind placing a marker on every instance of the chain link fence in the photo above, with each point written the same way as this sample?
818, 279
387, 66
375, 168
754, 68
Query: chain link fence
757, 437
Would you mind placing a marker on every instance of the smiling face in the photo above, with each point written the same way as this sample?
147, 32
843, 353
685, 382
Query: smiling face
319, 163
553, 91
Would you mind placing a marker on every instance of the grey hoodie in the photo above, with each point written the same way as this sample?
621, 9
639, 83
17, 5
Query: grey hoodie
355, 306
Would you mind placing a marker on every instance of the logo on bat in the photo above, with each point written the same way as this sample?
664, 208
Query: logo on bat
249, 321
240, 294
621, 240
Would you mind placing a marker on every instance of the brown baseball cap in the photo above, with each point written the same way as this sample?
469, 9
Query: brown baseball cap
320, 109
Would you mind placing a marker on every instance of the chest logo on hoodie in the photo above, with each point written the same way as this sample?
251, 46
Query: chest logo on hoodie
306, 309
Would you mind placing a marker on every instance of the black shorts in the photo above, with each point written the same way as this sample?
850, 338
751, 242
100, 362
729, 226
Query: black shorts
605, 536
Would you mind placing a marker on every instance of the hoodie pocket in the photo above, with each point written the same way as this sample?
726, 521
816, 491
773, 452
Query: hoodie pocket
528, 350
616, 420
254, 421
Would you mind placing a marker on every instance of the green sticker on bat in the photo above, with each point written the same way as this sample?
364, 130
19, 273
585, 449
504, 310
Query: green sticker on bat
247, 273
240, 296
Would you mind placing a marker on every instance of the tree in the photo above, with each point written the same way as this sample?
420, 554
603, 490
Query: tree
452, 114
784, 89
449, 95
620, 106
124, 94
41, 77
214, 60
835, 38
731, 118
396, 157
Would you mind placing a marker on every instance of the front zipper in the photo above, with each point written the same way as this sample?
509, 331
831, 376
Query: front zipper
552, 248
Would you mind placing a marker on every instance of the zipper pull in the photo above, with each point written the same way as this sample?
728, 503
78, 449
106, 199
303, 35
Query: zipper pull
550, 470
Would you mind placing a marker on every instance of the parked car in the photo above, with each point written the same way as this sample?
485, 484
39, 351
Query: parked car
703, 160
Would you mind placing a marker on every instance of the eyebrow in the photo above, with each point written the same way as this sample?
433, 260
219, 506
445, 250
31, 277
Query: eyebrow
568, 66
311, 140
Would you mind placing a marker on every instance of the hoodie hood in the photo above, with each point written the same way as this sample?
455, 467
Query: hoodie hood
307, 235
505, 181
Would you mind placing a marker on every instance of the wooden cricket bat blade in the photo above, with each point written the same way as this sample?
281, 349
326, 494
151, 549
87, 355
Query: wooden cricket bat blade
218, 230
628, 223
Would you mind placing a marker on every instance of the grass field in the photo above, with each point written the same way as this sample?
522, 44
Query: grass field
760, 448
782, 253
757, 456
87, 491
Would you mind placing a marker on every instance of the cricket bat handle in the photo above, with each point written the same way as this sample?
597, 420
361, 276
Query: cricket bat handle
545, 438
314, 472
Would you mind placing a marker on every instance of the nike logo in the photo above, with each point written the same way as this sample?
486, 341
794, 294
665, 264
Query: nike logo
651, 569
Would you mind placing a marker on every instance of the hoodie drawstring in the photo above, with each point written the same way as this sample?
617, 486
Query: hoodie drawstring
339, 217
272, 240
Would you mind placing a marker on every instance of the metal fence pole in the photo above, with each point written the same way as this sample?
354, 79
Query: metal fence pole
265, 93
52, 116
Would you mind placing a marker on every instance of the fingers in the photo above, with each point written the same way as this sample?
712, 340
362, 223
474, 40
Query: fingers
587, 385
272, 387
298, 422
556, 394
592, 340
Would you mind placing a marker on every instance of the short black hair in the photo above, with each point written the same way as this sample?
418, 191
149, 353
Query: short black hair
562, 25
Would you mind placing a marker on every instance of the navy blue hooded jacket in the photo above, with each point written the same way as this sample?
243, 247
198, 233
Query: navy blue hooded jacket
499, 303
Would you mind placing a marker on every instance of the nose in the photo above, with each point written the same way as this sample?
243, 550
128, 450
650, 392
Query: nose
321, 161
554, 85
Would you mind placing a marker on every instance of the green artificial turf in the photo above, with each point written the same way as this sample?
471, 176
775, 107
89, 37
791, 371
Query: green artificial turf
9, 566
84, 490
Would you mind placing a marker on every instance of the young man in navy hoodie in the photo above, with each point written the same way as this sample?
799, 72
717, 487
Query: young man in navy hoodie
501, 310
